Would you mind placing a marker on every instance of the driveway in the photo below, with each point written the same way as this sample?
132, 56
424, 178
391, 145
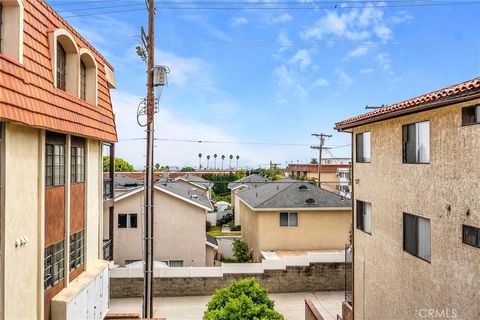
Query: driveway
291, 305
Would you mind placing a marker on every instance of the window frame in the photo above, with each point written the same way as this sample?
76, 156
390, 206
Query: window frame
416, 236
360, 147
77, 250
406, 145
83, 80
477, 236
77, 161
289, 219
61, 67
54, 163
54, 259
476, 115
360, 216
129, 218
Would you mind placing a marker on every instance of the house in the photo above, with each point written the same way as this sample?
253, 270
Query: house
416, 241
245, 183
291, 215
334, 177
194, 181
55, 115
180, 217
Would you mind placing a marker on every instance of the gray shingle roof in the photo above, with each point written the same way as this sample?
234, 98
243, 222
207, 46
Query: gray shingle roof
206, 184
251, 181
124, 182
185, 192
212, 240
288, 193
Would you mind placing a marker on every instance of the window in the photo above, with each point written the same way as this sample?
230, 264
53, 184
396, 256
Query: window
363, 147
471, 115
471, 235
61, 67
416, 142
416, 236
364, 216
55, 165
77, 249
288, 219
127, 220
77, 165
175, 263
83, 80
53, 264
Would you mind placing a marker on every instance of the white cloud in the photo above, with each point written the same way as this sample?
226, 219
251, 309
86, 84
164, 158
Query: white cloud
321, 82
343, 78
238, 21
302, 58
184, 71
384, 62
383, 33
283, 75
358, 52
367, 71
284, 41
283, 18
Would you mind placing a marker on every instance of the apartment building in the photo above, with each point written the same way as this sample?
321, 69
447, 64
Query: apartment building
293, 217
416, 240
180, 216
55, 115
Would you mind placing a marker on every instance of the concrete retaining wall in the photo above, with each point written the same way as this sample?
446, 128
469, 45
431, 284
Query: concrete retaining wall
315, 277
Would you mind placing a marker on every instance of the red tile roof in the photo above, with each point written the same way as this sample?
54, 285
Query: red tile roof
467, 88
27, 91
314, 167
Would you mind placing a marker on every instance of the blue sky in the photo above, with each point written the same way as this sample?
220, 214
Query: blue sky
276, 75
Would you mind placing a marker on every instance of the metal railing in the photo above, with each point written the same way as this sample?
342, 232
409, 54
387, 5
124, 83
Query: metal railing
348, 274
107, 249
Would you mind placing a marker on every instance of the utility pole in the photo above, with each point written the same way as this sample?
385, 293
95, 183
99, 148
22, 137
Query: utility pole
320, 147
148, 265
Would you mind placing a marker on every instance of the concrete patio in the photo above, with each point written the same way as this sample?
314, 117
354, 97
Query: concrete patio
291, 305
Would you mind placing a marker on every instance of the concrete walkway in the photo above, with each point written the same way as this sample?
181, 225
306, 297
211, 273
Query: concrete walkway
291, 305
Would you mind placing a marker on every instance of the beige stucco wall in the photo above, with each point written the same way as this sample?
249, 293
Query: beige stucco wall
22, 218
179, 230
210, 256
390, 283
317, 230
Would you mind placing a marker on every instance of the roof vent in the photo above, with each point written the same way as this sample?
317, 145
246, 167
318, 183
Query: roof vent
310, 201
193, 196
302, 187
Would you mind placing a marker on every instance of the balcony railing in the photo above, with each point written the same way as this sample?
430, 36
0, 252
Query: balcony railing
107, 188
107, 249
348, 274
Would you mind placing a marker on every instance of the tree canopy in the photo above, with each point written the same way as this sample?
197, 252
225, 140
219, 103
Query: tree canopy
244, 299
120, 165
187, 169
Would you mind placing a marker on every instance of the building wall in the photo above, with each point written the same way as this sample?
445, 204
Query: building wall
317, 230
210, 256
22, 218
383, 273
179, 230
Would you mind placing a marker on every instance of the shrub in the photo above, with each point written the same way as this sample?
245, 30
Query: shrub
244, 299
208, 226
241, 251
235, 227
225, 219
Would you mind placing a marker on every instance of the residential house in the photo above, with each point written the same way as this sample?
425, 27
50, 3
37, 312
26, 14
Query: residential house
416, 241
55, 113
195, 181
291, 215
245, 183
336, 161
180, 217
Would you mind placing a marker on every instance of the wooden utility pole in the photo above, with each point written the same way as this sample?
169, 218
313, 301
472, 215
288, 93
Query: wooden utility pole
148, 259
320, 147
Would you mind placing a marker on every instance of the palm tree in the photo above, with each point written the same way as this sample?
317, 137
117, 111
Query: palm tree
237, 157
223, 158
230, 166
208, 160
199, 161
215, 162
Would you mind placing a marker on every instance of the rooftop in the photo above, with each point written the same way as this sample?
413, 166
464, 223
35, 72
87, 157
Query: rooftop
196, 180
249, 181
314, 167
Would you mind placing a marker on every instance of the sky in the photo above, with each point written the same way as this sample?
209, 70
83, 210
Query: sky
262, 76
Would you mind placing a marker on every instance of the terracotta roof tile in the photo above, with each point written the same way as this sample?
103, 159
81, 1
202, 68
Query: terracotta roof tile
28, 94
314, 167
465, 88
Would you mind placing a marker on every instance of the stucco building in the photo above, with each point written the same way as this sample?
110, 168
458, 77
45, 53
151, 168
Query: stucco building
289, 215
180, 216
416, 243
55, 115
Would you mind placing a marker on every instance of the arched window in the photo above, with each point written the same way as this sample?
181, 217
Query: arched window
11, 29
61, 67
88, 77
83, 80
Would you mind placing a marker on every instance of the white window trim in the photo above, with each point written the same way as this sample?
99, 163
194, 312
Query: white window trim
92, 76
73, 61
12, 44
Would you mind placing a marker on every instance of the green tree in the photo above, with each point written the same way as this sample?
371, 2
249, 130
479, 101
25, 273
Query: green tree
120, 165
241, 251
314, 161
187, 169
244, 299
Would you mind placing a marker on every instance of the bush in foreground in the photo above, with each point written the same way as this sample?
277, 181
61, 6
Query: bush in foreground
244, 299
